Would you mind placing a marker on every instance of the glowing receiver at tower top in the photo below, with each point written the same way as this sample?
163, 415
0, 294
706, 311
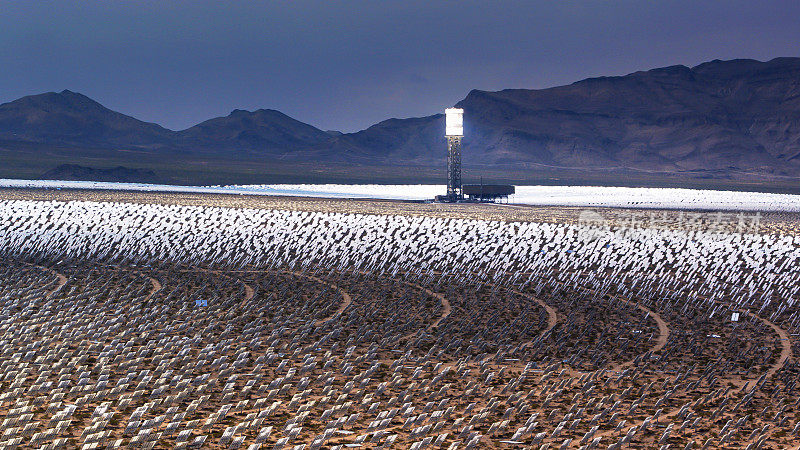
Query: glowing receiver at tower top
454, 131
454, 122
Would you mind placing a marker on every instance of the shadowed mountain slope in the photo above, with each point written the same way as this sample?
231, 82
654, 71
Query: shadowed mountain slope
69, 118
261, 130
739, 114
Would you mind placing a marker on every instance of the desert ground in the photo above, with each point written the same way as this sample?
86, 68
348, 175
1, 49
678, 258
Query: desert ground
146, 320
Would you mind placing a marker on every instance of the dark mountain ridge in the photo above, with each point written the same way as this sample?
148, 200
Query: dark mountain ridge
719, 116
261, 130
723, 114
70, 118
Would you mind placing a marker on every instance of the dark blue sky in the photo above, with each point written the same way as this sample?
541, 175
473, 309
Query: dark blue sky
348, 64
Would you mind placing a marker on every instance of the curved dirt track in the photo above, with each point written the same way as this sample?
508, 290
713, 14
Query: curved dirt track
346, 299
249, 292
786, 352
552, 313
786, 344
663, 333
62, 280
156, 287
446, 307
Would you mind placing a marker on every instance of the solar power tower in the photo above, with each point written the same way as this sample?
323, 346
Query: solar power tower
454, 131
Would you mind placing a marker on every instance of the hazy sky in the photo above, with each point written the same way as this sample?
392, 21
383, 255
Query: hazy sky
347, 64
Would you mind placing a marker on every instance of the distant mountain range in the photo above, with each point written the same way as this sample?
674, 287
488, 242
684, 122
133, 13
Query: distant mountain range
717, 117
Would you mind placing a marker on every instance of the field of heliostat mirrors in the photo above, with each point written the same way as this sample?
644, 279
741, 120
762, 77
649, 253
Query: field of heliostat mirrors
136, 320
